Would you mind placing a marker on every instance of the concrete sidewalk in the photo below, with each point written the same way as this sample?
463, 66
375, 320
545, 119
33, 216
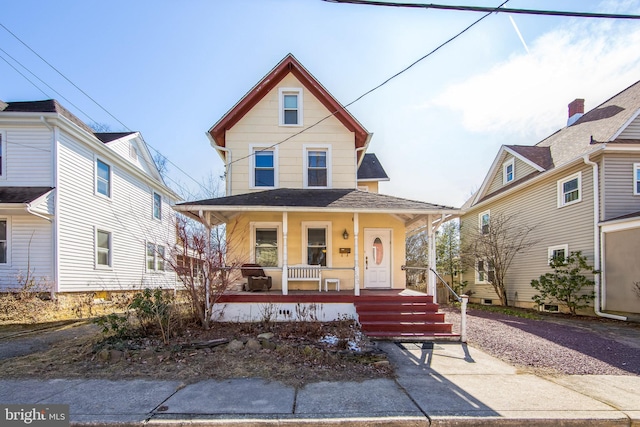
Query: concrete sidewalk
449, 384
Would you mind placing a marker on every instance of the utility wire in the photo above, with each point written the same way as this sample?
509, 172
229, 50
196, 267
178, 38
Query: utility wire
88, 96
489, 9
376, 87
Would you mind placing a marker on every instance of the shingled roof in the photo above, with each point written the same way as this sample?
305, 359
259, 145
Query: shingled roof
46, 106
371, 170
111, 136
21, 195
347, 200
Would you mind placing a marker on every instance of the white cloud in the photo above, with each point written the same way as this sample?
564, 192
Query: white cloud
527, 95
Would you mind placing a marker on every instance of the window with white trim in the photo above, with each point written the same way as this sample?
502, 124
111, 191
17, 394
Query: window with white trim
4, 242
264, 167
317, 243
103, 248
3, 154
266, 244
636, 179
317, 166
155, 257
570, 190
485, 271
557, 252
157, 205
103, 178
508, 171
290, 111
484, 220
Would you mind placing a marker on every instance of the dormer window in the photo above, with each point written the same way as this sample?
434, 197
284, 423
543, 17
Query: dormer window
290, 106
508, 171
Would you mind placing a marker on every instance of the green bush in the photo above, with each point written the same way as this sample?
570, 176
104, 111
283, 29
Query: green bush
565, 285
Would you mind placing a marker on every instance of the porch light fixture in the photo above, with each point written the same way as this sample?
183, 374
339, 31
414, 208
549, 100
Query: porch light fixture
345, 235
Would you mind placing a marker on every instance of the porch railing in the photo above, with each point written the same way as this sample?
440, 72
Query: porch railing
463, 300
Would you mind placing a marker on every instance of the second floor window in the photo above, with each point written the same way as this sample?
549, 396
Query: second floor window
485, 220
569, 190
157, 206
636, 179
103, 178
2, 154
317, 168
264, 171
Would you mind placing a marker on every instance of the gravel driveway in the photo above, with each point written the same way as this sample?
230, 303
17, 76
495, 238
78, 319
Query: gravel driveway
559, 345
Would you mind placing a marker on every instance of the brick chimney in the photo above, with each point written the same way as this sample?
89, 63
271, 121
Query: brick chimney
576, 110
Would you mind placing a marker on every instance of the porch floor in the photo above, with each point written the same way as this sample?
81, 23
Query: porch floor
343, 296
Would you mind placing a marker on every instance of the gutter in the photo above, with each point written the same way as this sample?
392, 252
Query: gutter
227, 162
597, 252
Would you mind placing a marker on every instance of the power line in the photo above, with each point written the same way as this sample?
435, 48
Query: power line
376, 87
489, 9
85, 94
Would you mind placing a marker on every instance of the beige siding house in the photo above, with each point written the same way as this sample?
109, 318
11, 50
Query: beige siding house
580, 189
301, 191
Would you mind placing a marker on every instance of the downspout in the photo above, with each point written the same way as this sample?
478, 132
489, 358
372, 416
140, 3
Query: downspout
596, 240
56, 203
227, 163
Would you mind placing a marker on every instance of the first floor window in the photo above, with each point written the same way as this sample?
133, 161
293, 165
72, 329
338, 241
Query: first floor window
266, 247
569, 190
636, 179
103, 248
155, 257
559, 253
485, 270
317, 246
3, 241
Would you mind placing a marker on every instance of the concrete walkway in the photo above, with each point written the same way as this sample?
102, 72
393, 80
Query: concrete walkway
446, 385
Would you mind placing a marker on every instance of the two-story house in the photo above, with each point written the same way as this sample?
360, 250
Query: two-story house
301, 190
580, 189
79, 211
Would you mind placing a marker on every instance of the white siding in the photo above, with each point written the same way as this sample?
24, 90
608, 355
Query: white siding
28, 156
536, 205
127, 215
122, 147
30, 250
617, 191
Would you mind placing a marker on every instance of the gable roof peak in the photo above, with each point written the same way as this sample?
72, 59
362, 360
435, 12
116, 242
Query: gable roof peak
288, 65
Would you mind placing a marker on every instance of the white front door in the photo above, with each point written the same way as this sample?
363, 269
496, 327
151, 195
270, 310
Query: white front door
377, 258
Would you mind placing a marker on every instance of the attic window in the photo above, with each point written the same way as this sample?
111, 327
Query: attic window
290, 110
133, 153
508, 173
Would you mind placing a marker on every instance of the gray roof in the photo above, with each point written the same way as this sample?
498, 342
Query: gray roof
46, 106
371, 170
541, 156
594, 127
111, 136
347, 199
22, 195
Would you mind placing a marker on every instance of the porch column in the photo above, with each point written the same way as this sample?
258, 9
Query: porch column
356, 270
285, 274
431, 277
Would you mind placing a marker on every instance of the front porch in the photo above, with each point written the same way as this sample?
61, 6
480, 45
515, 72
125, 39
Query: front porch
383, 314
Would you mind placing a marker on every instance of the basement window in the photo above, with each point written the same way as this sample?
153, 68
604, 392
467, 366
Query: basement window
551, 308
487, 302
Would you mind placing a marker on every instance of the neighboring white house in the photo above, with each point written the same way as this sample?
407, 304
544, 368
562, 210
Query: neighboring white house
79, 211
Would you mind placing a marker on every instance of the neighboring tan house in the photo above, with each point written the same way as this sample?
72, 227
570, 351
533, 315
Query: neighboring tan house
301, 191
79, 211
580, 189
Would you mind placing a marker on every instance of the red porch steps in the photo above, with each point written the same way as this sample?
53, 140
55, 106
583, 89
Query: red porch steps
398, 317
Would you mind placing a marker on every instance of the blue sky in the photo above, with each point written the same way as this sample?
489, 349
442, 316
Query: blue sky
171, 69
